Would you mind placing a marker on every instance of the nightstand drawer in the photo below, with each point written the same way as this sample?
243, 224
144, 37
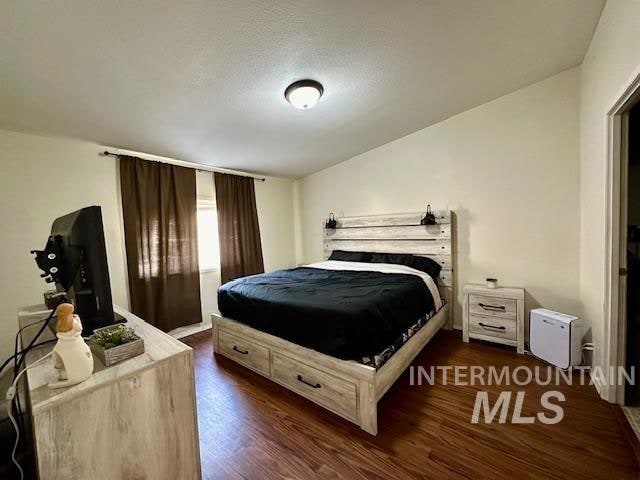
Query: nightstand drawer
492, 306
493, 326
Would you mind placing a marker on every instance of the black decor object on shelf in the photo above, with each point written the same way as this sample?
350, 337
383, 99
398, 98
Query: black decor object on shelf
331, 221
429, 217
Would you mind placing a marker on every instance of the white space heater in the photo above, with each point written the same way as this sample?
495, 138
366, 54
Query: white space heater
555, 337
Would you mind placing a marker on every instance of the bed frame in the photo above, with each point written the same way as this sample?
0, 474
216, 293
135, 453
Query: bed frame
348, 388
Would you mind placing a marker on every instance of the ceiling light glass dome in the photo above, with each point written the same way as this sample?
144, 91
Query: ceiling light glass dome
304, 94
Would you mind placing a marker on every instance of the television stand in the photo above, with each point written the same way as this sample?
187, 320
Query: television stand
137, 416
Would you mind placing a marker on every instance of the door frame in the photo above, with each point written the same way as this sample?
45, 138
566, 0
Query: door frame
614, 312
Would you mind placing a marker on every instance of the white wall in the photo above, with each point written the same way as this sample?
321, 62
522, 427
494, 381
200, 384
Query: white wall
274, 199
42, 178
612, 58
509, 170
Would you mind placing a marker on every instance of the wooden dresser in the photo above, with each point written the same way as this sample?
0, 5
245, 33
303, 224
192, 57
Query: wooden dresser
494, 315
133, 420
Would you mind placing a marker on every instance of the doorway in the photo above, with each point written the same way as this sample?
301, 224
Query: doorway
622, 273
632, 225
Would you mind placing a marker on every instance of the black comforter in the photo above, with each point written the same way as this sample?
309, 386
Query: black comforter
346, 314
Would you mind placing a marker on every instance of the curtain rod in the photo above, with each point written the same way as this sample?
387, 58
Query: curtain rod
180, 163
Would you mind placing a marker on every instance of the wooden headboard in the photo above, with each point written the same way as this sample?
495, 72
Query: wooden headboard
398, 233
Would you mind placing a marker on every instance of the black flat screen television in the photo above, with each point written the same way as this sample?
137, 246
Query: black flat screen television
75, 259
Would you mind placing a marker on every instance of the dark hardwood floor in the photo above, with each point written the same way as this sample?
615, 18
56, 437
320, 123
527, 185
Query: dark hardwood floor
252, 428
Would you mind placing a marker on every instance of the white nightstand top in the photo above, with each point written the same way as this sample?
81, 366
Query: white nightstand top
502, 292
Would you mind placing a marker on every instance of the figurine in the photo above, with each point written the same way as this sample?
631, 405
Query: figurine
71, 355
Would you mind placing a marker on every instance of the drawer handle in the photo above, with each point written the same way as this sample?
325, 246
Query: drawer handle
300, 379
484, 325
243, 352
492, 307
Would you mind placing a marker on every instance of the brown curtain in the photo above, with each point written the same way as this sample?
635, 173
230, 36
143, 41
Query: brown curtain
240, 247
161, 239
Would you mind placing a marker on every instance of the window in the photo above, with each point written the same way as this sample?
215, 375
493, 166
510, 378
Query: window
208, 246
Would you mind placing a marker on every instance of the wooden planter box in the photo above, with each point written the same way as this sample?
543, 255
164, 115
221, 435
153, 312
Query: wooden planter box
117, 354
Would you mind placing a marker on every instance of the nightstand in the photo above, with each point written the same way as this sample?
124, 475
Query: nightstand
494, 315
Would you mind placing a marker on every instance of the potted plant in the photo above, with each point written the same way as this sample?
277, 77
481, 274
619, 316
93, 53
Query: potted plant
116, 343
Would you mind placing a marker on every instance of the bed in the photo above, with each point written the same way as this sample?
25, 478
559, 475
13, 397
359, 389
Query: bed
340, 333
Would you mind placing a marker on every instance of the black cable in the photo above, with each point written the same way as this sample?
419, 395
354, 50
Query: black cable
25, 351
16, 403
18, 360
15, 342
19, 412
18, 363
17, 407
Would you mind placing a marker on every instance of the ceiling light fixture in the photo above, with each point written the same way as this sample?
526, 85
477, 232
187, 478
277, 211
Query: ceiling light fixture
304, 94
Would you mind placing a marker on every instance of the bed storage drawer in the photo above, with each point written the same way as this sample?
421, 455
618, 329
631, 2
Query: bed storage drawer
323, 388
493, 326
493, 307
245, 352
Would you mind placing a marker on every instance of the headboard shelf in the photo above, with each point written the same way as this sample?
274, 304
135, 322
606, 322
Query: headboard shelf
390, 232
443, 217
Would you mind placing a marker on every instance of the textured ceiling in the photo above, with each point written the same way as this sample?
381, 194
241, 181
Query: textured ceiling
203, 81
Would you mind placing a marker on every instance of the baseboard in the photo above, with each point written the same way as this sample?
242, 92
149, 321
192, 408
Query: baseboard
189, 330
629, 432
600, 387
